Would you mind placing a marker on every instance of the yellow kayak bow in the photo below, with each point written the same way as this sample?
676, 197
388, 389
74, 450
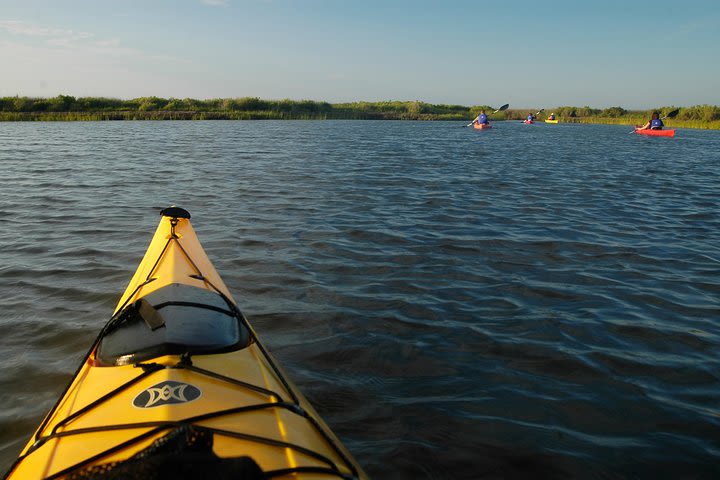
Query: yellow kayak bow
177, 385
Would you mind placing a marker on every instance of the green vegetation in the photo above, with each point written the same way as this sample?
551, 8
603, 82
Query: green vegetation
698, 116
68, 108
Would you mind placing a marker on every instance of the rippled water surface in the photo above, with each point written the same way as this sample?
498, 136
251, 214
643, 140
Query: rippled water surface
526, 302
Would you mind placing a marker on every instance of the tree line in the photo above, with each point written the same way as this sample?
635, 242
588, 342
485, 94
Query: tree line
66, 107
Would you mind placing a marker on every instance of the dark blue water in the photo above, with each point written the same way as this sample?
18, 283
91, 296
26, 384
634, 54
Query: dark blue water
526, 302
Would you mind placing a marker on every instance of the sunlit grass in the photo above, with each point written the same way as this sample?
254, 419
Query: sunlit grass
68, 108
669, 122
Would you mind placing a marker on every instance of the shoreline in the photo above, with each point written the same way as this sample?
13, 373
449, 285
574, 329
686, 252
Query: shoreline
18, 117
64, 108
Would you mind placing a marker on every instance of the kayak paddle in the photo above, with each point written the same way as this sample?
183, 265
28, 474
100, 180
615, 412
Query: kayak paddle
672, 114
504, 107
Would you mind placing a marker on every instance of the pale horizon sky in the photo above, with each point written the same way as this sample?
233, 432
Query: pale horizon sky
526, 53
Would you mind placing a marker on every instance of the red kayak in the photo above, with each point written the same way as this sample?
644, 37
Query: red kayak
656, 133
481, 126
529, 122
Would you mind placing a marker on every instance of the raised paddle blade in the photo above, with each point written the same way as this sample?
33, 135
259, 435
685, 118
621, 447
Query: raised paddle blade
504, 107
672, 114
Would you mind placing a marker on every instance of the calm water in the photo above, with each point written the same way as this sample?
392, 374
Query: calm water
526, 302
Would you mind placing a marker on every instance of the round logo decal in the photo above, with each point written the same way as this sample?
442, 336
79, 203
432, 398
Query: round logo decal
167, 393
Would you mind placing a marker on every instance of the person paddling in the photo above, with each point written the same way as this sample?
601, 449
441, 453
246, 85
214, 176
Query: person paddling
655, 123
551, 117
481, 119
531, 118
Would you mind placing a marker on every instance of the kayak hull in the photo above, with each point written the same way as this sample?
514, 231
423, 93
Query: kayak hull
528, 122
482, 126
124, 403
551, 121
656, 133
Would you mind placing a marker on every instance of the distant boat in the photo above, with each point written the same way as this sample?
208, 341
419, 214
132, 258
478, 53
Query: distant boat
655, 133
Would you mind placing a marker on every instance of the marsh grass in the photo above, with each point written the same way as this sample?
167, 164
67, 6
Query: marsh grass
669, 122
68, 108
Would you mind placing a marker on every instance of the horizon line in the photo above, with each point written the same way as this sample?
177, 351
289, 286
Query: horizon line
525, 107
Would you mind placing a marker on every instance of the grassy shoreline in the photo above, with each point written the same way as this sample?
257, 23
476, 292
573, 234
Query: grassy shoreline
67, 108
669, 123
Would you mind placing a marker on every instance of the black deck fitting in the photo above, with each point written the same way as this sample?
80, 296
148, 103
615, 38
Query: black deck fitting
174, 212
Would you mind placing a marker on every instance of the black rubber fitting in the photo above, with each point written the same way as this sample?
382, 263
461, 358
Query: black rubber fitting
174, 212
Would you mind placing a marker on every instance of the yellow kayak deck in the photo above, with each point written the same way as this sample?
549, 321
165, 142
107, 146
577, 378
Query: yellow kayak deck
179, 366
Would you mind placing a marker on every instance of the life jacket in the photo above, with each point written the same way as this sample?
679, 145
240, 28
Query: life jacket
482, 118
656, 124
531, 118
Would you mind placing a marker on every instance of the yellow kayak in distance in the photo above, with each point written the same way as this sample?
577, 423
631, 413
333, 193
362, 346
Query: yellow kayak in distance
178, 385
551, 121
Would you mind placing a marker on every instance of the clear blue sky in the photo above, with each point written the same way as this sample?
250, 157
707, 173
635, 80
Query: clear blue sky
528, 53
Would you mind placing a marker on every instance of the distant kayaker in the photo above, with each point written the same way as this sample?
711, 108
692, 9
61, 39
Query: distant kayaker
551, 117
482, 118
654, 123
531, 117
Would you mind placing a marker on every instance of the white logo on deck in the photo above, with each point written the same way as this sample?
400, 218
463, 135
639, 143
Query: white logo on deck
166, 393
